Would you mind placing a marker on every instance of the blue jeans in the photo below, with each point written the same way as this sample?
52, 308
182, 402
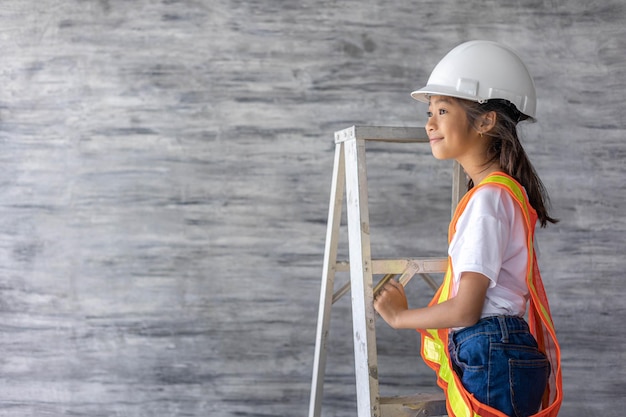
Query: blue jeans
498, 361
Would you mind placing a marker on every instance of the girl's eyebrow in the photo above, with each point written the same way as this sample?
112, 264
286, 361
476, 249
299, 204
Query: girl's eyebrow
443, 100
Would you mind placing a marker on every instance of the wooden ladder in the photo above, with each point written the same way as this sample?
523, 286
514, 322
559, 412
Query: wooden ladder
349, 177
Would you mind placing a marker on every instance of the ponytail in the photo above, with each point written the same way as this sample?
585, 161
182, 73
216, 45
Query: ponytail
506, 149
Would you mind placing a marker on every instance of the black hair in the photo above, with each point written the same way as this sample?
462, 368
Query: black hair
506, 149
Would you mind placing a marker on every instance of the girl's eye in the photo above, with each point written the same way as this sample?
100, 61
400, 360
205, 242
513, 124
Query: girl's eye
440, 112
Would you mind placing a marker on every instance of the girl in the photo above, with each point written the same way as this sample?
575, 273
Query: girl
489, 360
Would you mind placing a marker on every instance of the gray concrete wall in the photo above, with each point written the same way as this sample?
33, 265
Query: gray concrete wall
165, 174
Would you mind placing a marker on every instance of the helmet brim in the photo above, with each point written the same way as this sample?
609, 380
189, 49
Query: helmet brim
424, 93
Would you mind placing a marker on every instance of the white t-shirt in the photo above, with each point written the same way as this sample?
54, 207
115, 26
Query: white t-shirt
490, 239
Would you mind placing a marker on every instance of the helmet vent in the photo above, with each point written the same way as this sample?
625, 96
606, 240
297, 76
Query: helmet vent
467, 86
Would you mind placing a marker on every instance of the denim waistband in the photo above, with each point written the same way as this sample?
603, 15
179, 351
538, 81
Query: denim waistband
501, 326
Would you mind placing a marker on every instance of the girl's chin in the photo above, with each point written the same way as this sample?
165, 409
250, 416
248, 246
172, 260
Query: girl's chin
439, 156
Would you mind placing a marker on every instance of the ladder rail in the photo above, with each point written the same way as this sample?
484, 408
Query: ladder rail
328, 279
363, 314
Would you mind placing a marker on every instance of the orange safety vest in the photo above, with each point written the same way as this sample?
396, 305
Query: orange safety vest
434, 350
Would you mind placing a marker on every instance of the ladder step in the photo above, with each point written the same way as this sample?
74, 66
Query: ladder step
416, 405
392, 267
398, 266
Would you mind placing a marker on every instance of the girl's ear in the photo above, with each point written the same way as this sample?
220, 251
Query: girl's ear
486, 122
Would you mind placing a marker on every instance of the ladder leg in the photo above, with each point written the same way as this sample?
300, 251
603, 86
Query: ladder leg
365, 359
328, 279
458, 185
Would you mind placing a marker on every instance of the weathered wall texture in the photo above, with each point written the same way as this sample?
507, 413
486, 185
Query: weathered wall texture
165, 172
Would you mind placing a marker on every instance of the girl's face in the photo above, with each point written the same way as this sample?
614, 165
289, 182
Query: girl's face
448, 130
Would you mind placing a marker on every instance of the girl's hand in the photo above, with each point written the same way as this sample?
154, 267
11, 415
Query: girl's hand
390, 302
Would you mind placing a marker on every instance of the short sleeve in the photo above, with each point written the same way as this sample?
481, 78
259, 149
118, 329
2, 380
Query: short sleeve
481, 237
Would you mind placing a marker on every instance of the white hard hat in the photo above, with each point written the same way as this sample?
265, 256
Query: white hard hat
480, 71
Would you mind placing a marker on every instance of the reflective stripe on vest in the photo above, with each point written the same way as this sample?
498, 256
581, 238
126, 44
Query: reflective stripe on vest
461, 403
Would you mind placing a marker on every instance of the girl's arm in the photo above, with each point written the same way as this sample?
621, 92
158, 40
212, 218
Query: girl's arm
461, 311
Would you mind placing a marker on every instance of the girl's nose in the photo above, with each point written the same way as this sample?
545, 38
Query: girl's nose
430, 125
